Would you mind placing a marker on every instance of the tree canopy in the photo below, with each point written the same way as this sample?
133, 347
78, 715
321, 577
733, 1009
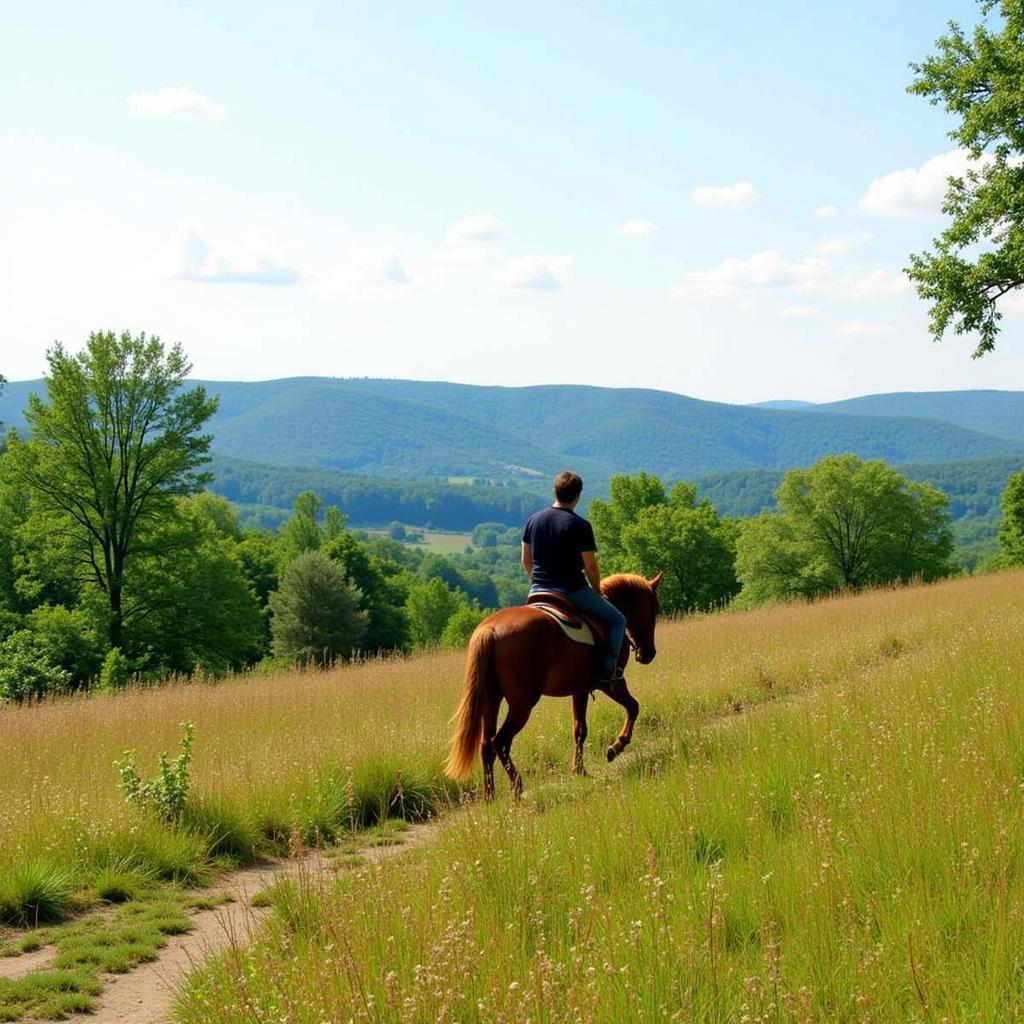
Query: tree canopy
1011, 527
979, 257
844, 523
117, 441
644, 528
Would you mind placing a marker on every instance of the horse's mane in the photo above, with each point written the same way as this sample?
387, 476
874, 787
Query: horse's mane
623, 583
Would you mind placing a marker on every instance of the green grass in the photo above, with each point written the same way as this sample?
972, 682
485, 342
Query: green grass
35, 892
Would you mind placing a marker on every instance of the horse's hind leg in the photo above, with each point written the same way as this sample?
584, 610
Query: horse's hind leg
517, 717
621, 695
579, 730
492, 703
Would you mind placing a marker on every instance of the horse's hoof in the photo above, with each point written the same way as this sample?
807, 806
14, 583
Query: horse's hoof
611, 753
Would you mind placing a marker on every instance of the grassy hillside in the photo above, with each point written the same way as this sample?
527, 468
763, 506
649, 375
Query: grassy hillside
821, 823
810, 785
413, 429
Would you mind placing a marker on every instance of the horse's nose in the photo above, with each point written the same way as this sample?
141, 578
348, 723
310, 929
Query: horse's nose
646, 657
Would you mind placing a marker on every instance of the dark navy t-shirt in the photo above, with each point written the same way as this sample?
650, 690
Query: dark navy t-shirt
556, 537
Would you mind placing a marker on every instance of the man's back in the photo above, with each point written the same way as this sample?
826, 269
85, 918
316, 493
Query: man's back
557, 537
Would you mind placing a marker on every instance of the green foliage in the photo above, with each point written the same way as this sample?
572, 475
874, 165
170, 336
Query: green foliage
429, 606
200, 610
460, 625
71, 637
844, 523
1011, 527
116, 441
116, 671
316, 613
29, 668
979, 257
644, 528
166, 794
387, 627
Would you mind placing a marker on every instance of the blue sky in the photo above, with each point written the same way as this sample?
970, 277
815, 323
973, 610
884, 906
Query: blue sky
710, 199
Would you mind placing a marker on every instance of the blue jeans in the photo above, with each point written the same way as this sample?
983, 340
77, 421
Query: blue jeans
592, 603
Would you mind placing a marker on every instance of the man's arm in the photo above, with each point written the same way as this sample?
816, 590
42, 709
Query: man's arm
527, 558
590, 567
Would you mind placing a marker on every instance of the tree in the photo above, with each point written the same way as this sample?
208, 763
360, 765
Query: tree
979, 257
844, 523
692, 547
1011, 526
316, 614
647, 529
628, 495
459, 628
429, 606
117, 441
387, 627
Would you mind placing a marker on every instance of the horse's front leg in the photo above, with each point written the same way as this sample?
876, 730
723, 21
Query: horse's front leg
621, 695
579, 730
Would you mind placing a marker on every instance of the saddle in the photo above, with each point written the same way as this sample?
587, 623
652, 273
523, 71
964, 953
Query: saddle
575, 625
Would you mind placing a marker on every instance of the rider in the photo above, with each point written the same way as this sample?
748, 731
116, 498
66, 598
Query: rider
560, 555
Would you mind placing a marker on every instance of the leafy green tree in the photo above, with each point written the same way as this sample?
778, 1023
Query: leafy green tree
647, 529
71, 637
628, 496
844, 523
309, 526
114, 445
694, 549
429, 607
979, 257
387, 627
316, 613
1011, 526
199, 608
115, 672
459, 627
218, 512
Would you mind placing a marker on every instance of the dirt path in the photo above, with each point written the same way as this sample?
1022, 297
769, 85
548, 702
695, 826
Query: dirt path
144, 995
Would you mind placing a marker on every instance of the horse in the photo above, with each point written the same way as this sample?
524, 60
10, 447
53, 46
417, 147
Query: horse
520, 654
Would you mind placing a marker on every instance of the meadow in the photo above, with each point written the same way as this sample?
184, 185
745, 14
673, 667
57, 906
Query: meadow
820, 819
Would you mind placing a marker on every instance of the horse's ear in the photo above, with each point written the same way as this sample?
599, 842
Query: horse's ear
654, 583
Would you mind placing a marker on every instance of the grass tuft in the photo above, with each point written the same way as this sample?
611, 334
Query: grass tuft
35, 891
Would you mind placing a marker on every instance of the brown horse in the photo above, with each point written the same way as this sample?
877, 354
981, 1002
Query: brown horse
520, 655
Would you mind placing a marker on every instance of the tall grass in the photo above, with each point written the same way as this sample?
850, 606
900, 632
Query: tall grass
852, 854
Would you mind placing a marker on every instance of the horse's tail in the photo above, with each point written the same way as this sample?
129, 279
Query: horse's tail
470, 716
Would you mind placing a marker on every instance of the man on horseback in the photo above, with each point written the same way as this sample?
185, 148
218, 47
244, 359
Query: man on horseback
560, 555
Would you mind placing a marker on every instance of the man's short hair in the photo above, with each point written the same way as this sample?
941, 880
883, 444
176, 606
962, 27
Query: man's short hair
568, 486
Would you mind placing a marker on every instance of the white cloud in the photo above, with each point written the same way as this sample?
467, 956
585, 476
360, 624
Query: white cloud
855, 328
825, 212
841, 244
798, 312
481, 227
176, 101
540, 273
1012, 302
252, 259
761, 270
873, 284
638, 228
743, 193
917, 191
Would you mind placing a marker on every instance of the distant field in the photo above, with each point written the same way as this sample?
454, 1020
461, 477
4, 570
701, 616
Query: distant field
439, 541
814, 792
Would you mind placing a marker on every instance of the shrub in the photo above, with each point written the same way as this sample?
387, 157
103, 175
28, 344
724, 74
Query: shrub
166, 793
460, 626
27, 668
116, 670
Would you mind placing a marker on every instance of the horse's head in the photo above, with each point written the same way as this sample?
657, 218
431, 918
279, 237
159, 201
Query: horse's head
637, 599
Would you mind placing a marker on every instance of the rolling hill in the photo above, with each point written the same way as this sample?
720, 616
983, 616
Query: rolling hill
413, 430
